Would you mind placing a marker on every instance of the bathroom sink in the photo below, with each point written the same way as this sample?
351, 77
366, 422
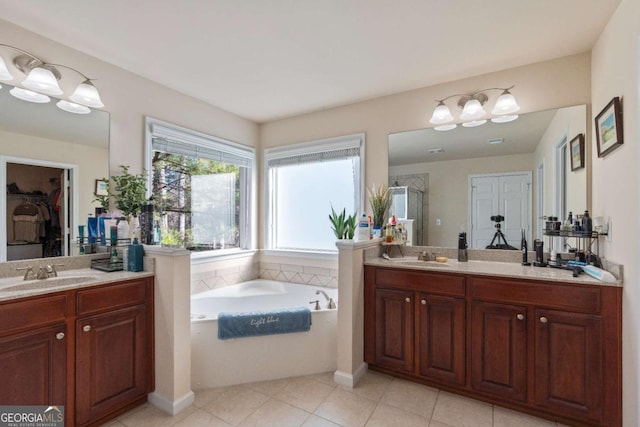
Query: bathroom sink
52, 282
415, 263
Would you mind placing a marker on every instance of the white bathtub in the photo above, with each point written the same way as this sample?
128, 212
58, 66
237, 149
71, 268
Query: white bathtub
217, 363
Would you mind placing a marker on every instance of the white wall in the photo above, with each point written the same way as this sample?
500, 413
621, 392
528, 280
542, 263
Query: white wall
615, 72
448, 190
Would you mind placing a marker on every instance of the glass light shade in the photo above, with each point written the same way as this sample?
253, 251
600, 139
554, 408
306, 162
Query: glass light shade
504, 119
505, 104
5, 75
446, 127
30, 96
441, 115
474, 123
42, 80
87, 94
472, 110
72, 107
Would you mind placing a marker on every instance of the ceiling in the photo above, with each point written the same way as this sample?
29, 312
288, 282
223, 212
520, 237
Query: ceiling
519, 137
265, 60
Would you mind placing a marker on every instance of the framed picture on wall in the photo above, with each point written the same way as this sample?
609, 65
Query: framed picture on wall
609, 127
577, 152
102, 188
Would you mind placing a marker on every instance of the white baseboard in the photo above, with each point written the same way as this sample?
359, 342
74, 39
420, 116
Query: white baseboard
171, 407
350, 380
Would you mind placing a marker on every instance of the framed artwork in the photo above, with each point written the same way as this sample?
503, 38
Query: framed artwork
609, 127
577, 152
102, 188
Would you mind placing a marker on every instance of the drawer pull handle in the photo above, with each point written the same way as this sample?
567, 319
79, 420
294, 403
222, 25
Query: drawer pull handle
520, 316
407, 299
60, 335
86, 328
424, 302
543, 319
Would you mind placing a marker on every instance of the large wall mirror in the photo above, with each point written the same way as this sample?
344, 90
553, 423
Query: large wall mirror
50, 160
521, 170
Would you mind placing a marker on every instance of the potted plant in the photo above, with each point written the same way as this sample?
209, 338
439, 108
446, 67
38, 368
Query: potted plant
380, 201
343, 226
131, 192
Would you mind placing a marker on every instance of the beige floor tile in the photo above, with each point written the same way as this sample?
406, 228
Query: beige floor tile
114, 423
236, 404
150, 416
269, 387
372, 386
389, 416
325, 377
200, 418
415, 398
434, 423
206, 396
506, 418
346, 408
276, 414
460, 411
304, 393
316, 421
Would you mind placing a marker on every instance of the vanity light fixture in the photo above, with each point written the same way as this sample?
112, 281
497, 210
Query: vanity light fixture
42, 80
473, 113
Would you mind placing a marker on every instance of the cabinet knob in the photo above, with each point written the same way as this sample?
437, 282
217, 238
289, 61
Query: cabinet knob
424, 302
86, 328
60, 335
520, 316
407, 299
543, 319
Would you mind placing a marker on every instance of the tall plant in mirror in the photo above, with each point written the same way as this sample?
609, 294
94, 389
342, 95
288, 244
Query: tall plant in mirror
380, 201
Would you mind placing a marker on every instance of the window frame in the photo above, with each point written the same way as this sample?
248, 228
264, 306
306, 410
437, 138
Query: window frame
301, 149
155, 128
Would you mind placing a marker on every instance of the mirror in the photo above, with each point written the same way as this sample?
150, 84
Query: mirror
442, 167
43, 149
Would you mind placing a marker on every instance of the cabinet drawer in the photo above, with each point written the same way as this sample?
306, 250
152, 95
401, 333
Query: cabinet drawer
420, 281
576, 298
27, 314
112, 297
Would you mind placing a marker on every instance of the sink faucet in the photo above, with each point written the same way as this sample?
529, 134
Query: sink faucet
330, 302
28, 273
47, 271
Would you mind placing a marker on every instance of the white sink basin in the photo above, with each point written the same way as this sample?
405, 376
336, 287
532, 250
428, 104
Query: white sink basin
52, 282
415, 263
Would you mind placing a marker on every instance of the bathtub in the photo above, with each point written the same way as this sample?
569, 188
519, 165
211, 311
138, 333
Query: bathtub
217, 363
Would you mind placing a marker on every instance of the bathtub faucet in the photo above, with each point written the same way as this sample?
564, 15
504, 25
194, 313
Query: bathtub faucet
331, 305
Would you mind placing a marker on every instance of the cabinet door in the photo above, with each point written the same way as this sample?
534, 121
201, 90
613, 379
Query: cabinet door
499, 350
111, 357
569, 363
394, 329
441, 338
33, 367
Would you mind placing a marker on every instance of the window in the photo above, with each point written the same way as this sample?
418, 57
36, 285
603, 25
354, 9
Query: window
303, 181
201, 187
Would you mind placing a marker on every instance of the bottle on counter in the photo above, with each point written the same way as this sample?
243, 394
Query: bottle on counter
135, 256
587, 223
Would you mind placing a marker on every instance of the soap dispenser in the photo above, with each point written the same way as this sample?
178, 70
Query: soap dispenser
135, 256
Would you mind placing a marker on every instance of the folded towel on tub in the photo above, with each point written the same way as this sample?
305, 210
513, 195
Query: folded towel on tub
254, 323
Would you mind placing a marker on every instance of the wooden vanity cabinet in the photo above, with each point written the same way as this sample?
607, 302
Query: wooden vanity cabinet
33, 351
90, 350
417, 330
548, 348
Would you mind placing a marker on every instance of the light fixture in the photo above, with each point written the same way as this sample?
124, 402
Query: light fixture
473, 113
42, 80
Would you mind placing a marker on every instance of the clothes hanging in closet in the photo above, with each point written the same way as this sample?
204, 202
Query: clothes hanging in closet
27, 223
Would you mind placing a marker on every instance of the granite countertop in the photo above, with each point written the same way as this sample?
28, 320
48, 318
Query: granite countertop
16, 287
490, 268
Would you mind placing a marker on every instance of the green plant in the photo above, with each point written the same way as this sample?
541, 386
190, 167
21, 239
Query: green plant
131, 192
380, 201
343, 226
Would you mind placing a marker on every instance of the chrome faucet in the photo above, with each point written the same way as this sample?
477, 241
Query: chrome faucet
330, 302
47, 271
28, 273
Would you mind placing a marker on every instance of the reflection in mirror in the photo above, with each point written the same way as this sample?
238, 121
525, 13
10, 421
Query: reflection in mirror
521, 170
49, 162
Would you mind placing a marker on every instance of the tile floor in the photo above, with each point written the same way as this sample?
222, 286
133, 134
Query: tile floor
316, 401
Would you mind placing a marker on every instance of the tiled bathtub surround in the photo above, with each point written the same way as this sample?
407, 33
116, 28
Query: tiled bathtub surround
217, 275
